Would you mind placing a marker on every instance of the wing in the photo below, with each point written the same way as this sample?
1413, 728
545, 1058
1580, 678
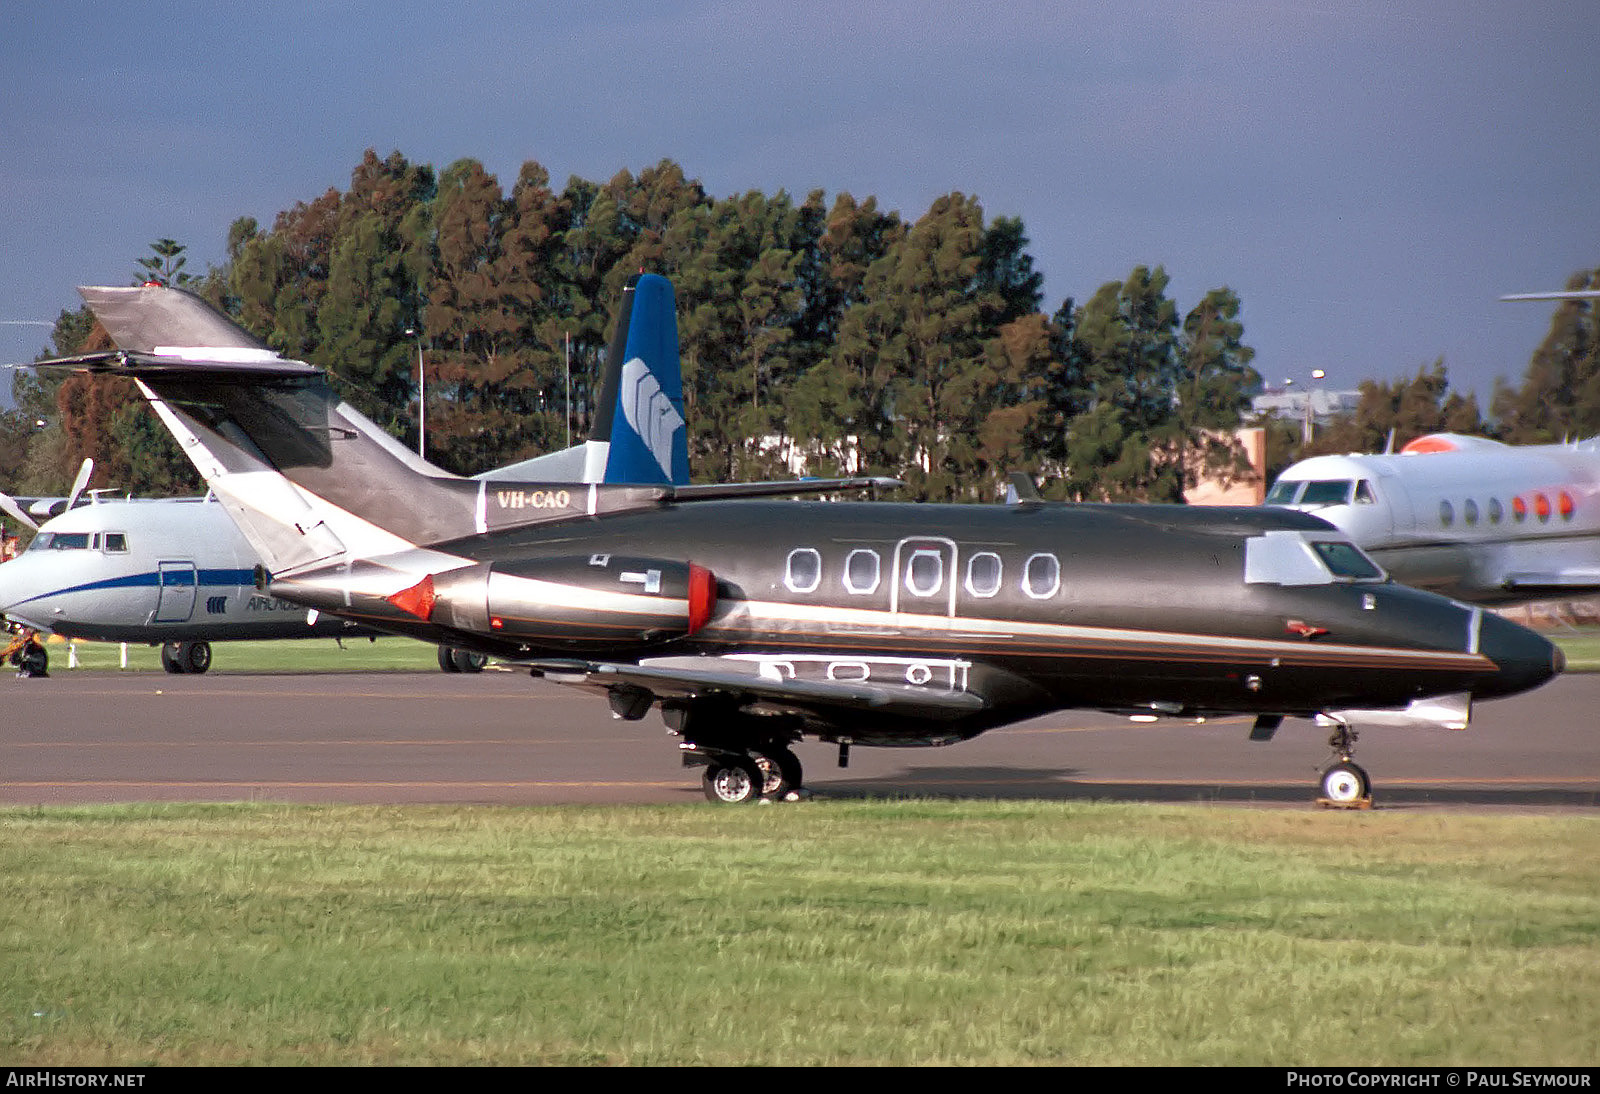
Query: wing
752, 684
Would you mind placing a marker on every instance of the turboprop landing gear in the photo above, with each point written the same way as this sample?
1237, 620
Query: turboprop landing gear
1345, 784
180, 657
781, 774
454, 660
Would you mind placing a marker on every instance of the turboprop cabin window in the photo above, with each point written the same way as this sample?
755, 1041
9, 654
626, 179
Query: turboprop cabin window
804, 571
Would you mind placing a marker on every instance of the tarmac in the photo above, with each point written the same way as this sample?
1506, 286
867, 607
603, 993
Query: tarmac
505, 738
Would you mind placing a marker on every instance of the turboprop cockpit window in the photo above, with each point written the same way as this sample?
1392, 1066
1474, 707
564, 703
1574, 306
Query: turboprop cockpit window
1288, 557
60, 541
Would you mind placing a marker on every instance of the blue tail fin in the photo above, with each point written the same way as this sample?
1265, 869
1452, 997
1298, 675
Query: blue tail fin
640, 435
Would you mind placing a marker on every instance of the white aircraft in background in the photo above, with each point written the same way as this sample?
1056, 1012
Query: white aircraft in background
178, 572
1467, 516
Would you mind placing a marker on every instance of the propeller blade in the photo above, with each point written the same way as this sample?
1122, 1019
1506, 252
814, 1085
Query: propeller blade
84, 473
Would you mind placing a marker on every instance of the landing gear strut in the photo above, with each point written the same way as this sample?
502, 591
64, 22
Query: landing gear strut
1345, 784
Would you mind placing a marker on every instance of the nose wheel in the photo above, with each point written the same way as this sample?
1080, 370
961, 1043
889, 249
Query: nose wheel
1345, 784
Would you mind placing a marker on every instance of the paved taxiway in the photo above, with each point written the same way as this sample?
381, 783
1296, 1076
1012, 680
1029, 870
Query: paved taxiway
503, 737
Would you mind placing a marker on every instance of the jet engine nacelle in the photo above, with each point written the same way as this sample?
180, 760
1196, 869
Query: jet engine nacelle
569, 602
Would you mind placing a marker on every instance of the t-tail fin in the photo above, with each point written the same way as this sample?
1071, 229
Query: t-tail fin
640, 435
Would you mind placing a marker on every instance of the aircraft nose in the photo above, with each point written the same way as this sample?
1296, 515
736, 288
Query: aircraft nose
1523, 658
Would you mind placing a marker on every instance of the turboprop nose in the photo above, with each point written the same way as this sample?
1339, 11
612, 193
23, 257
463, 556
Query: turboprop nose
1524, 659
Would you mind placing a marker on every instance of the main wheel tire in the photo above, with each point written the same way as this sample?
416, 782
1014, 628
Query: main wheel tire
196, 656
780, 772
447, 659
468, 661
1345, 782
733, 782
172, 658
35, 661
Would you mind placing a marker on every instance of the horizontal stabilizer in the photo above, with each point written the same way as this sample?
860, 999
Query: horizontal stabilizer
156, 319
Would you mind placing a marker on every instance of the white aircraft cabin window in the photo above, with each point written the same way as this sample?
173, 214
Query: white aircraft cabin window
984, 574
925, 573
1469, 512
1497, 511
804, 571
1447, 513
116, 542
861, 572
1041, 577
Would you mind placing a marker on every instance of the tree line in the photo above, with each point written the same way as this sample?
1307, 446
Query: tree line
831, 334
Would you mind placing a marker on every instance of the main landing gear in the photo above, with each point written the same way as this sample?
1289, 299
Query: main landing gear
772, 773
1345, 784
190, 657
454, 660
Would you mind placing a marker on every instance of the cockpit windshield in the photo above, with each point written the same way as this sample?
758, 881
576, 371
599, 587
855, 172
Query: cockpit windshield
1316, 493
1296, 558
60, 541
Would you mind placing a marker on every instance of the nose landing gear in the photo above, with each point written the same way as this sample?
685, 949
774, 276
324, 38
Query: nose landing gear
1345, 784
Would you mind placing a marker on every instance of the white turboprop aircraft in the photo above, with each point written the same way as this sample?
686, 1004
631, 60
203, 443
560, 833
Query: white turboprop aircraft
1467, 516
179, 573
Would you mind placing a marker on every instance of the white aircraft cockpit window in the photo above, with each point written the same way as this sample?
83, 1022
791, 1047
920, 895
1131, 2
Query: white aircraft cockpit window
1364, 493
60, 541
924, 573
1282, 492
1041, 577
861, 572
1329, 492
1288, 557
804, 571
116, 543
984, 574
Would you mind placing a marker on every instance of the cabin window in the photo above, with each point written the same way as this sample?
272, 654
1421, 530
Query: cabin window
1565, 505
1447, 513
1541, 506
804, 571
1041, 577
984, 572
861, 572
1519, 509
925, 573
1469, 512
116, 543
1497, 511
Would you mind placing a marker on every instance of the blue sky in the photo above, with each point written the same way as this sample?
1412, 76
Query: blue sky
1369, 176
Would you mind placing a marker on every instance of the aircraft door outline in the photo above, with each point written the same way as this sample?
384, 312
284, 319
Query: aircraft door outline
924, 576
177, 585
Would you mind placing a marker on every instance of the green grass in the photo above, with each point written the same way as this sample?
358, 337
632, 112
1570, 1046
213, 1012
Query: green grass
297, 655
839, 933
